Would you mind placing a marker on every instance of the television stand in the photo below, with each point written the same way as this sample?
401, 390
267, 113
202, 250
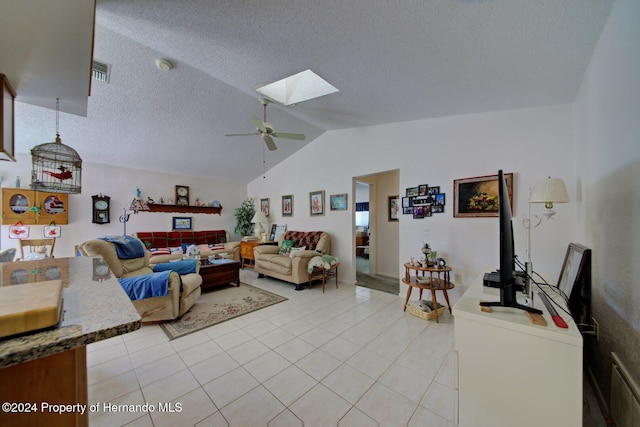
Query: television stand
511, 305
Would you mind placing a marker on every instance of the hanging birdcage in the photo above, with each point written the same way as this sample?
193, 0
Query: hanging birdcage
56, 167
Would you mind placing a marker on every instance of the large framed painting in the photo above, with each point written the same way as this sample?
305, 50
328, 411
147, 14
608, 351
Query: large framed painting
478, 196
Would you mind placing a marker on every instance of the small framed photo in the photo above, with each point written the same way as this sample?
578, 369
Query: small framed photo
316, 203
287, 205
478, 196
182, 223
408, 210
413, 192
438, 199
433, 190
338, 202
406, 202
422, 189
264, 206
394, 207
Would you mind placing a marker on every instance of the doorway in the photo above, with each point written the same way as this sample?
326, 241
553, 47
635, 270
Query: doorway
375, 237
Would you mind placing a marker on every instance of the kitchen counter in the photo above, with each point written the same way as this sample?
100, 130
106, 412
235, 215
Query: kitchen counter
50, 365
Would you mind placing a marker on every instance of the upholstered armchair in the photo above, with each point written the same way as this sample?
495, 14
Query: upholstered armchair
184, 289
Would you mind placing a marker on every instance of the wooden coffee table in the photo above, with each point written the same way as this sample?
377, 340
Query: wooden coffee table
219, 274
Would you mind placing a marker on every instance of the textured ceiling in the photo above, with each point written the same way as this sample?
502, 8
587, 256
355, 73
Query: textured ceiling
392, 61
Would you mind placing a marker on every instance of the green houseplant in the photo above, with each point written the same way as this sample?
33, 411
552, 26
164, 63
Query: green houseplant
243, 216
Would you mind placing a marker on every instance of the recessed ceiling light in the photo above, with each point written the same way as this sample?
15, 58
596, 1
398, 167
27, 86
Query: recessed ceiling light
299, 87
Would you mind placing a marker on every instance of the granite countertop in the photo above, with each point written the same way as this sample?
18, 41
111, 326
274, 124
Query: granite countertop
95, 307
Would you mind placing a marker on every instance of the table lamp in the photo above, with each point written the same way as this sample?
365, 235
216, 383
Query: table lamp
258, 219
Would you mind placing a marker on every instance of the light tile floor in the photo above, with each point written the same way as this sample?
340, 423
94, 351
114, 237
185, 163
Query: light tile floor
349, 357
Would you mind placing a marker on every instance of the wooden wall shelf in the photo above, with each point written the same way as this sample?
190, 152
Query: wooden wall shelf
155, 207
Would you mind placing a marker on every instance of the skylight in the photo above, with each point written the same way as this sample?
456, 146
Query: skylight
299, 87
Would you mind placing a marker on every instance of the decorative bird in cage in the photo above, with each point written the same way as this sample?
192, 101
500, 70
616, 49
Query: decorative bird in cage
62, 175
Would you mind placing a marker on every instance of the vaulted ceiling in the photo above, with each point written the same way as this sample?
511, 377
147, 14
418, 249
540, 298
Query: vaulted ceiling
392, 61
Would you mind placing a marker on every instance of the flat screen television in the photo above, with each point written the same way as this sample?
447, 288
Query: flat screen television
507, 254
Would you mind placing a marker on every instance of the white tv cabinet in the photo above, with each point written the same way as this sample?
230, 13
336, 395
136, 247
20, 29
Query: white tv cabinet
512, 372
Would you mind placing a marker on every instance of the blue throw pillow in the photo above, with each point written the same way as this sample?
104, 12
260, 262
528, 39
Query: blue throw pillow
181, 267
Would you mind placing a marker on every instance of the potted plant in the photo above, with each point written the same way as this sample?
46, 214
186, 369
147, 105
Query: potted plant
243, 216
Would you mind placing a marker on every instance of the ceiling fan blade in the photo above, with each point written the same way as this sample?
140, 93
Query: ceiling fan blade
297, 136
269, 141
242, 134
259, 124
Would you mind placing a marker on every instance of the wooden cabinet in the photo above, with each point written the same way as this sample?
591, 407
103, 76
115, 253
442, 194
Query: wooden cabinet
34, 207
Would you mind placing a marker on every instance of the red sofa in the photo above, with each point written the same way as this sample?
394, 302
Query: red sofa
172, 239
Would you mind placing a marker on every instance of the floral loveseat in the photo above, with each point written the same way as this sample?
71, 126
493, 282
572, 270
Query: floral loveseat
170, 245
291, 265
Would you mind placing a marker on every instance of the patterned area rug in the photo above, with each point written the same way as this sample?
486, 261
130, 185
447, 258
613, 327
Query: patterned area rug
219, 305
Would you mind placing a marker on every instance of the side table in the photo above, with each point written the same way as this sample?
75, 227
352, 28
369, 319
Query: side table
246, 253
441, 282
319, 273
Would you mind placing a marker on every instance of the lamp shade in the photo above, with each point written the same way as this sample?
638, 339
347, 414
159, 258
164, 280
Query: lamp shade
549, 191
259, 217
138, 205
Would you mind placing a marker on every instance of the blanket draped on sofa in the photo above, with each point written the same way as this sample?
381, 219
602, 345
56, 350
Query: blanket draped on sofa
127, 247
147, 285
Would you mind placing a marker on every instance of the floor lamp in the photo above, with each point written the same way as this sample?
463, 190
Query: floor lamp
548, 191
135, 206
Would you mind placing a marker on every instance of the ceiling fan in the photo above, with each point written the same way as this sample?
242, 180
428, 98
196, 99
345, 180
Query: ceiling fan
265, 129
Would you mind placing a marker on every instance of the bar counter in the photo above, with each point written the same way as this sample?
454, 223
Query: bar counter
49, 366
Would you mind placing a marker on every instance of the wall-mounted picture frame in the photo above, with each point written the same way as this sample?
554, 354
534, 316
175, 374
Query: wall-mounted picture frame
7, 132
338, 202
433, 190
478, 196
413, 191
394, 207
182, 223
316, 203
287, 205
264, 206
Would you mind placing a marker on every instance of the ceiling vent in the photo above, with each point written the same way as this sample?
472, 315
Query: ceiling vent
100, 71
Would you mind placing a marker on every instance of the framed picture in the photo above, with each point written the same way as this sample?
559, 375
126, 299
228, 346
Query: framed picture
407, 210
7, 146
433, 190
478, 197
182, 223
264, 206
438, 199
413, 191
338, 202
287, 205
394, 207
316, 203
422, 189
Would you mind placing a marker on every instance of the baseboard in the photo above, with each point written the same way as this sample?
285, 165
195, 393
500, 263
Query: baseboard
602, 402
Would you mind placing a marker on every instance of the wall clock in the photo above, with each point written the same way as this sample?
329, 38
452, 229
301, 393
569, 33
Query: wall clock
182, 195
100, 207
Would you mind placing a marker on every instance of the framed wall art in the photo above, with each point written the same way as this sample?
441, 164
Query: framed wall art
264, 206
287, 205
182, 223
394, 207
316, 203
338, 202
478, 196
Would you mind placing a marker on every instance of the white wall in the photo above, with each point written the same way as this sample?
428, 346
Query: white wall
120, 184
608, 179
533, 143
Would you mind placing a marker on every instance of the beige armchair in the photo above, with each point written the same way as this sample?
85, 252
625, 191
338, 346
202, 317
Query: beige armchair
183, 290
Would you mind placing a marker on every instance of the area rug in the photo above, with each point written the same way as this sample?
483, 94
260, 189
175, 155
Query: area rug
218, 305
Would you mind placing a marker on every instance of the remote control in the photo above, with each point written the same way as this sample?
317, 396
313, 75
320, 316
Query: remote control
559, 321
